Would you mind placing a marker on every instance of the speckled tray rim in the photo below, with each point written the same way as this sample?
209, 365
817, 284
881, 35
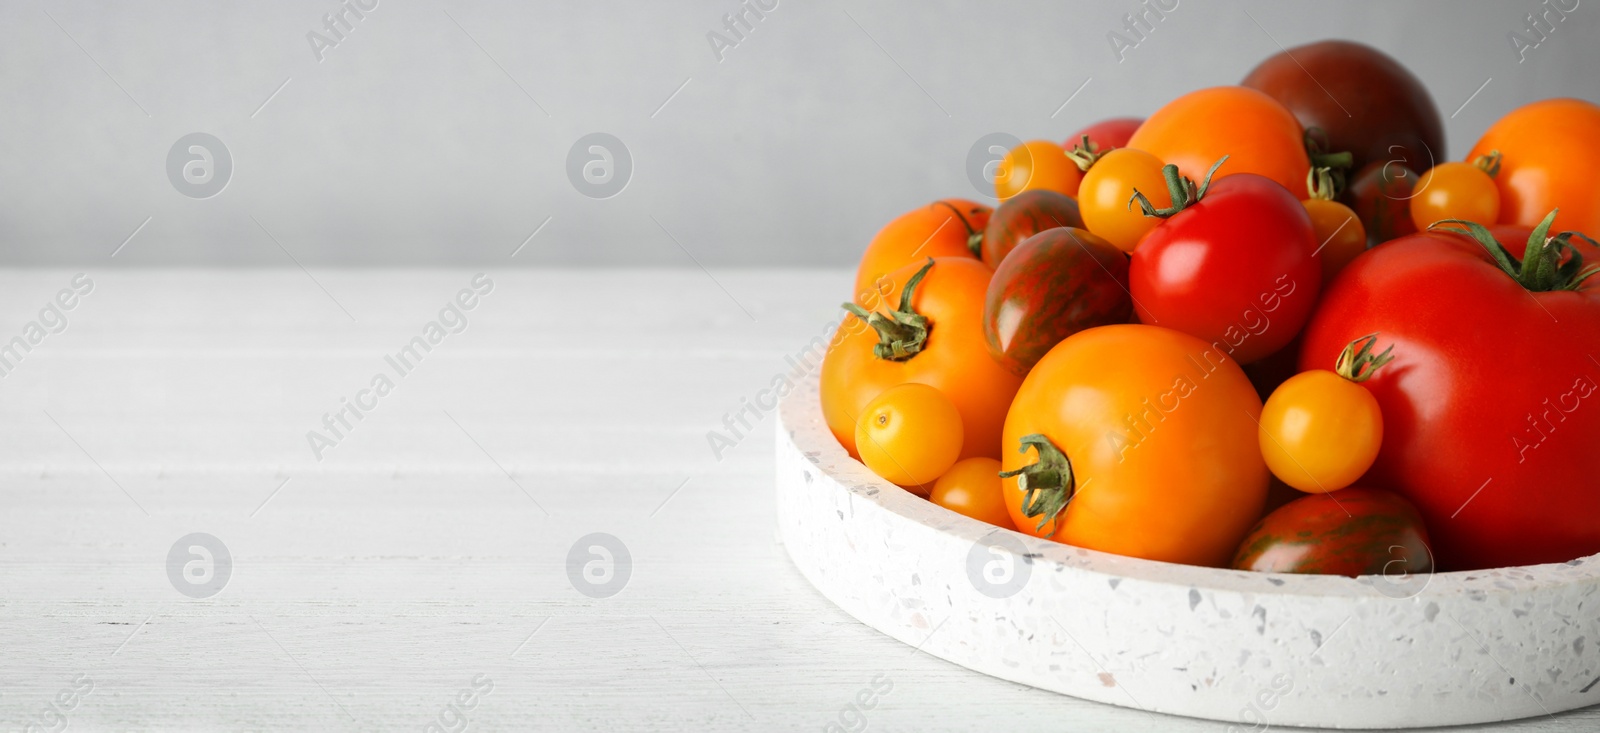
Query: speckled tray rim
801, 424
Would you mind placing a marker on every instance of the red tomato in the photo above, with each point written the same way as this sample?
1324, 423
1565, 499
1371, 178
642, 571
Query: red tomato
1235, 269
1488, 423
1106, 134
1350, 532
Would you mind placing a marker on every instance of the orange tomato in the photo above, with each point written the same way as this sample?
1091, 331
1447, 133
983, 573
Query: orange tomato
1551, 152
940, 229
1258, 135
972, 488
1157, 431
1034, 165
1340, 236
954, 358
909, 435
1104, 196
1455, 191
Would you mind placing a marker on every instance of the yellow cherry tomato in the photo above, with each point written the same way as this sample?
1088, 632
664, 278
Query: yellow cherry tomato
1455, 191
1036, 164
1103, 196
1340, 236
972, 488
1320, 431
910, 435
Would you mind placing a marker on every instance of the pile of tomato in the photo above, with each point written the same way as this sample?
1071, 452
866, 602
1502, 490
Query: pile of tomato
1270, 327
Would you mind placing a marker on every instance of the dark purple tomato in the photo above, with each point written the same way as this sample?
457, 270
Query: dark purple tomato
1364, 100
1023, 216
1354, 531
1056, 283
1380, 194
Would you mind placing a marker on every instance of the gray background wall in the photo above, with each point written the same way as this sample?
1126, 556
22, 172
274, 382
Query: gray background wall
438, 132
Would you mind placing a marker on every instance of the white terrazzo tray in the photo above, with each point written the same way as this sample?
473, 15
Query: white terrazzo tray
1259, 649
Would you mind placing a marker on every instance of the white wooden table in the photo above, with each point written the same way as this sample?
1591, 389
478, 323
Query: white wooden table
428, 549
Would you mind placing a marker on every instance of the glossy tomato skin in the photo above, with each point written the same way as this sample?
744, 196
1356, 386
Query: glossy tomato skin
1456, 191
1551, 152
1380, 193
1488, 427
940, 229
1352, 532
955, 360
1106, 134
1256, 133
1365, 101
1236, 268
1160, 431
1023, 216
972, 488
1034, 165
1056, 283
1106, 189
1339, 233
909, 435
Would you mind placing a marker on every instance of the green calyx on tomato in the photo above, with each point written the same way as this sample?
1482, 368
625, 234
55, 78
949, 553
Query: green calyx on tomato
1358, 365
1181, 188
1085, 153
1489, 163
1047, 484
1335, 164
904, 332
1540, 270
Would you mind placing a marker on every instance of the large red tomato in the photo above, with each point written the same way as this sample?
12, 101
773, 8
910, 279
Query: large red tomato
1236, 269
1490, 407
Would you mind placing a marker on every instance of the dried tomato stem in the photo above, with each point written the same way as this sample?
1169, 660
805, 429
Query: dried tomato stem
1357, 363
1085, 154
1488, 163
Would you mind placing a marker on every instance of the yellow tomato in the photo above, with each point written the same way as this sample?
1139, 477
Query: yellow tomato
1455, 191
1107, 190
1320, 431
1340, 236
972, 487
1036, 164
909, 435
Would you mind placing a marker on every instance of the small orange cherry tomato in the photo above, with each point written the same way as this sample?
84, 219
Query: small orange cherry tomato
1037, 164
1340, 236
972, 488
1256, 132
1456, 191
1321, 430
941, 229
1106, 193
909, 435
